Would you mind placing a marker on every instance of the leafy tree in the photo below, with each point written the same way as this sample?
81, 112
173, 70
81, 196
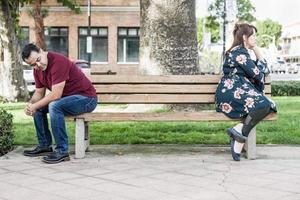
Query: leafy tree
39, 14
266, 30
12, 87
211, 26
200, 30
245, 11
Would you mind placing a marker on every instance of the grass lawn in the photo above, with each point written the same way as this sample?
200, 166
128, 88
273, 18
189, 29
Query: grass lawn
286, 130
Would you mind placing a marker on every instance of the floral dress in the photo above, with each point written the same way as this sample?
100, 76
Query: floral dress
240, 90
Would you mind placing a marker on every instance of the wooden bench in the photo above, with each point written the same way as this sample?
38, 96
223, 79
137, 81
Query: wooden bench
174, 89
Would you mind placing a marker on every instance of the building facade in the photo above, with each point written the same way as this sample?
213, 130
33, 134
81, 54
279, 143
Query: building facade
290, 42
114, 31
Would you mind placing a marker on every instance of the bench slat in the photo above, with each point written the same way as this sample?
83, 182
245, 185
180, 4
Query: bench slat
158, 79
168, 116
156, 99
157, 89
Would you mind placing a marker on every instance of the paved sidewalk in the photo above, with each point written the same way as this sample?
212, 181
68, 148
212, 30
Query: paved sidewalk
167, 172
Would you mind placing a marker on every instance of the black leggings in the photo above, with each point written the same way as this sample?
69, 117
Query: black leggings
253, 118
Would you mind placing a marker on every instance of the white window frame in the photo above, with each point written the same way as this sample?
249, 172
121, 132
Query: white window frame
96, 27
124, 61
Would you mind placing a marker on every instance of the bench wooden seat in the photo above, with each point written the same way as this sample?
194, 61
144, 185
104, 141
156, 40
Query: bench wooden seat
173, 89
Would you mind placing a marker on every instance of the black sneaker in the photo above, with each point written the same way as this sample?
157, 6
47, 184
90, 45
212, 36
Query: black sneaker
38, 151
56, 157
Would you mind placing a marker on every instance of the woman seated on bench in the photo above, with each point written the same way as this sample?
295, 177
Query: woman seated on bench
240, 92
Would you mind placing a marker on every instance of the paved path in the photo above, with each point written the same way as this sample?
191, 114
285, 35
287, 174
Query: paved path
168, 172
285, 77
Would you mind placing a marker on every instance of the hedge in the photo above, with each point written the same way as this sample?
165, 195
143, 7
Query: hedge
6, 132
285, 88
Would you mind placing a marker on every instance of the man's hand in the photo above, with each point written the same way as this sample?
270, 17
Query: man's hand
27, 110
30, 109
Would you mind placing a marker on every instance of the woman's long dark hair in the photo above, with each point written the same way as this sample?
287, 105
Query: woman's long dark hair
239, 31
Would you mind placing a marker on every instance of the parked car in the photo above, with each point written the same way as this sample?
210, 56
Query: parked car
29, 78
293, 68
84, 66
279, 66
297, 67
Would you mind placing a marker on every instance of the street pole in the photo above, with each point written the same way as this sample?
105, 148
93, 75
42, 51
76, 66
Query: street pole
224, 31
89, 38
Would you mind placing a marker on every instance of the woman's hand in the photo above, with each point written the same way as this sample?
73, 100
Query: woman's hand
265, 70
257, 53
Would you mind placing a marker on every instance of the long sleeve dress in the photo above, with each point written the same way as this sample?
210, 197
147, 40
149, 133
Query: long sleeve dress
240, 90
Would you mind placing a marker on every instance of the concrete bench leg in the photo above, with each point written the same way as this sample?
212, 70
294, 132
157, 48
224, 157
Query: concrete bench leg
250, 145
80, 138
86, 136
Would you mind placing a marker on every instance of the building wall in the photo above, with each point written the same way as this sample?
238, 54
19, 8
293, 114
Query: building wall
291, 38
99, 2
105, 13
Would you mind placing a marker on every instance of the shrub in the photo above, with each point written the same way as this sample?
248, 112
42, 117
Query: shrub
6, 132
285, 88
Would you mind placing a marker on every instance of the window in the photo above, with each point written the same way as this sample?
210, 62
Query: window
99, 44
24, 36
57, 39
128, 45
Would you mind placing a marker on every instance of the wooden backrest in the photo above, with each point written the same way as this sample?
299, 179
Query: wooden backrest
179, 89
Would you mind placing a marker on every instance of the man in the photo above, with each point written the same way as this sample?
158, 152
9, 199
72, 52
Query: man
71, 93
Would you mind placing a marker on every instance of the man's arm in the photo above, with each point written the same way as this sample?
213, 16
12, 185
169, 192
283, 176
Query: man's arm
55, 94
38, 94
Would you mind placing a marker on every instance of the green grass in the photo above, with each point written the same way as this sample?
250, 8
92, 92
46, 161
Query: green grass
12, 106
285, 130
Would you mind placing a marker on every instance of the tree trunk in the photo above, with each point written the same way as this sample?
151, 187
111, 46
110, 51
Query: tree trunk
12, 84
39, 24
168, 40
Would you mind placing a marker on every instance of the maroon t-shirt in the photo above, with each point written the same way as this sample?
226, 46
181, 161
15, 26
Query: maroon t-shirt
61, 69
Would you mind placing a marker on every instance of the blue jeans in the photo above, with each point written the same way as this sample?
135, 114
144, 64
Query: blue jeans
66, 106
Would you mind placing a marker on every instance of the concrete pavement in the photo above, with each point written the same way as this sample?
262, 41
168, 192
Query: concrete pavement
285, 77
160, 172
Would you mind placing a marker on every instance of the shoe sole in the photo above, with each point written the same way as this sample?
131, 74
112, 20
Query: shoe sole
37, 155
57, 161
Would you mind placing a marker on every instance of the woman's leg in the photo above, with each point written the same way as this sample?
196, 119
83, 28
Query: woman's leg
236, 147
254, 118
240, 132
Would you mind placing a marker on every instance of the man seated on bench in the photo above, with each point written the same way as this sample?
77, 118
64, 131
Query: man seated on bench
71, 93
240, 92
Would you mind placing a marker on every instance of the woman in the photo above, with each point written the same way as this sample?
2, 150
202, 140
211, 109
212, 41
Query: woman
240, 93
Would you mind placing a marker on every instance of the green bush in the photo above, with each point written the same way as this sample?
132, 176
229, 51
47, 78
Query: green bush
6, 132
285, 88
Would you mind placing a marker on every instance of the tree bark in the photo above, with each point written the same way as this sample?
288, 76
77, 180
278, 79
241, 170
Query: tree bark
39, 24
12, 87
168, 39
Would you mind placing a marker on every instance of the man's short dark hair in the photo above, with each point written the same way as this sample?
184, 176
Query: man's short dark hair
28, 48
